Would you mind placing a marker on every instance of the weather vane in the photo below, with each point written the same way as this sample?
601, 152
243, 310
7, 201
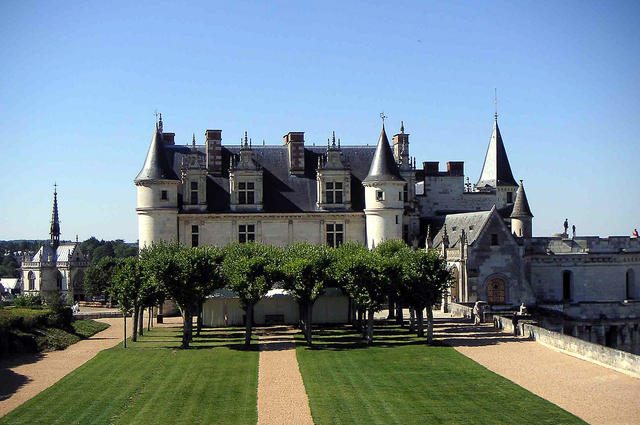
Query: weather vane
383, 117
495, 102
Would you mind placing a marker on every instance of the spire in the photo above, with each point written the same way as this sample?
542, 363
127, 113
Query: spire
160, 123
193, 140
521, 205
401, 127
496, 170
383, 166
333, 139
246, 143
55, 221
156, 165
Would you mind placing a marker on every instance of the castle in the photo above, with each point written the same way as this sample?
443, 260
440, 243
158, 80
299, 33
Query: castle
216, 194
56, 266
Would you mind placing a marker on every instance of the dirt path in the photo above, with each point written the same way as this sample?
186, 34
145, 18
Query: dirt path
282, 398
23, 377
594, 393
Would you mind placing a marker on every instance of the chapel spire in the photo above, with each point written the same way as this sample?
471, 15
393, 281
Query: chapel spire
55, 221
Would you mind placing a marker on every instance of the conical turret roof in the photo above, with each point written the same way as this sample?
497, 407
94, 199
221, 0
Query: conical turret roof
383, 166
521, 205
156, 166
496, 170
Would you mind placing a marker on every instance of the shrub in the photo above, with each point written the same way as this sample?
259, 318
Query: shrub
27, 300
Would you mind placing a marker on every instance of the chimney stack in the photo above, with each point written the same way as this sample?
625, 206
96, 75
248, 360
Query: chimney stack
294, 141
214, 151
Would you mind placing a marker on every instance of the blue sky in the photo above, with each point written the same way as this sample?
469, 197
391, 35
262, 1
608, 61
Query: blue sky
79, 83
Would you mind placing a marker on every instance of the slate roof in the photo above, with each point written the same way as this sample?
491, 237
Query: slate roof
156, 166
496, 170
472, 223
521, 205
282, 192
383, 166
63, 254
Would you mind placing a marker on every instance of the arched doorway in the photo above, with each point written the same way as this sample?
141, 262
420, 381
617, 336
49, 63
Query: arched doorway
496, 291
566, 285
630, 285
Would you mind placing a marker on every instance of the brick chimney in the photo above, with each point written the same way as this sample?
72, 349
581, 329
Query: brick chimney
294, 141
214, 151
455, 168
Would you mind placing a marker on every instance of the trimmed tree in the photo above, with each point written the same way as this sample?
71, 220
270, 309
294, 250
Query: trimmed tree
305, 272
207, 275
393, 256
126, 281
97, 278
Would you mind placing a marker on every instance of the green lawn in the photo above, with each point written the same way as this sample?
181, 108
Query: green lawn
87, 327
153, 382
400, 380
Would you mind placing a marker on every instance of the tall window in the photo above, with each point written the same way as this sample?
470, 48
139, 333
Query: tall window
335, 234
164, 195
195, 238
194, 193
246, 233
246, 193
334, 192
494, 239
379, 195
566, 285
405, 193
509, 197
32, 281
495, 291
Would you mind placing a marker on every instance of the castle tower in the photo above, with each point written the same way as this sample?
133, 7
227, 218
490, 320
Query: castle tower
384, 204
157, 186
55, 221
521, 217
496, 171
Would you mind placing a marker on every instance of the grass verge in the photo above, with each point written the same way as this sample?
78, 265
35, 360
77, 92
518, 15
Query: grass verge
402, 380
154, 382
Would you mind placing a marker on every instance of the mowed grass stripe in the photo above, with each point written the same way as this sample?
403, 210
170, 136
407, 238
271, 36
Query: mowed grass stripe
154, 382
402, 380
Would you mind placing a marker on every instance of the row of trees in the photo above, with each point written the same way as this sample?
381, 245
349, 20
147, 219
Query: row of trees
415, 279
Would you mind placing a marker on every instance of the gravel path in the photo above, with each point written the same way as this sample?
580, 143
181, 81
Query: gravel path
594, 393
282, 398
23, 377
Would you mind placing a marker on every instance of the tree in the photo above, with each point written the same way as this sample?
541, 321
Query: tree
205, 271
305, 272
393, 255
427, 277
127, 279
250, 269
98, 277
9, 267
359, 272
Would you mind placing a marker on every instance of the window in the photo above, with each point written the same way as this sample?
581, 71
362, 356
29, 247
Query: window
335, 234
59, 280
509, 197
32, 281
494, 239
405, 193
246, 233
194, 193
566, 285
379, 195
495, 291
397, 220
195, 235
405, 233
164, 195
246, 193
334, 192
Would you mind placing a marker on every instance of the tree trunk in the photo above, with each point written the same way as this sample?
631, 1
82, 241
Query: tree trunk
186, 319
301, 317
248, 324
134, 336
429, 324
391, 309
420, 317
359, 320
150, 316
124, 317
399, 314
199, 323
160, 315
370, 326
141, 319
412, 320
309, 328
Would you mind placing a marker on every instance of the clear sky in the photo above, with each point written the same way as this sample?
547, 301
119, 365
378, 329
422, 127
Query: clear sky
79, 82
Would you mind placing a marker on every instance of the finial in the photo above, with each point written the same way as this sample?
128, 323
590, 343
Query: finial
319, 162
250, 142
328, 143
160, 123
245, 138
262, 142
495, 102
193, 140
76, 238
383, 117
55, 188
333, 139
520, 182
401, 127
338, 143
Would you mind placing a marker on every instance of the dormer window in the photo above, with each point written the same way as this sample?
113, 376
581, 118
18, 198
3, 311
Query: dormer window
194, 193
164, 195
246, 193
334, 192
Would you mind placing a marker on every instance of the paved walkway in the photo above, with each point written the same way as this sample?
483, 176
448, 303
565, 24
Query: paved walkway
594, 393
282, 398
23, 377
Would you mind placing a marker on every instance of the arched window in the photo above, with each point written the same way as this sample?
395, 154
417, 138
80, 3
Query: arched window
566, 285
630, 285
32, 281
495, 291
